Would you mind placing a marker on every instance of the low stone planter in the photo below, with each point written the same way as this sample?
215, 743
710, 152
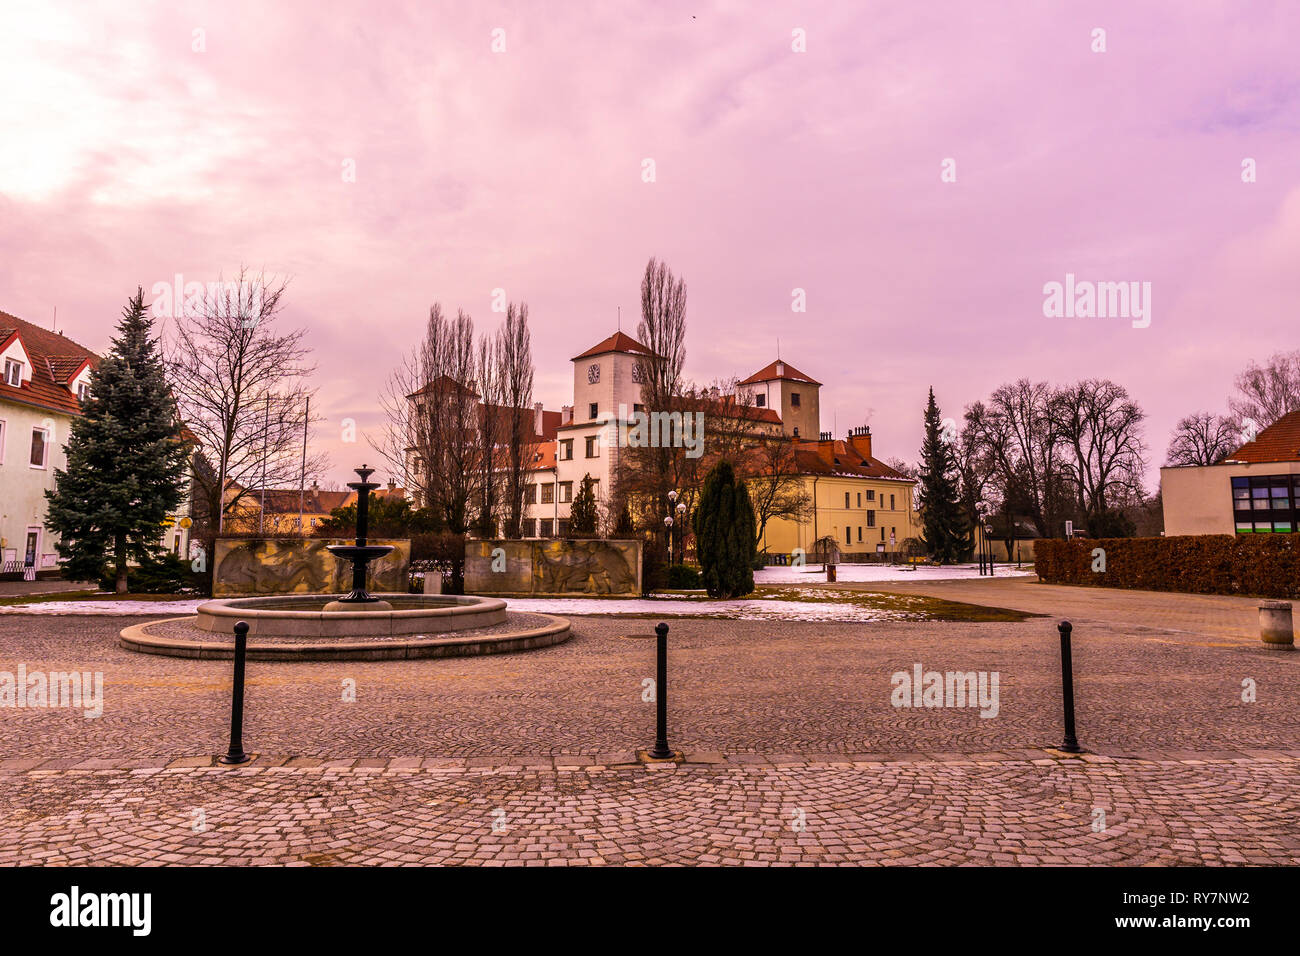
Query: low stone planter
1275, 625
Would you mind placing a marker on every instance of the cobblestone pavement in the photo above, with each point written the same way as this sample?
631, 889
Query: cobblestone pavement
998, 811
774, 718
735, 686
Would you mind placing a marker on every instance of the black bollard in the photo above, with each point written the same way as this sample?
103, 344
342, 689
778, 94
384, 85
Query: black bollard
236, 752
661, 751
1071, 745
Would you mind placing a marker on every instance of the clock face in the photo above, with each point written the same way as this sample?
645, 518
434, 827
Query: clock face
637, 375
593, 374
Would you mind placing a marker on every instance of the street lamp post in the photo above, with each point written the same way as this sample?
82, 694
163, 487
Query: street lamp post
681, 532
668, 522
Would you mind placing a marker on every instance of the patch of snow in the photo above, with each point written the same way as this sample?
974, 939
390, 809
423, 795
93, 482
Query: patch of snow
161, 608
741, 609
867, 573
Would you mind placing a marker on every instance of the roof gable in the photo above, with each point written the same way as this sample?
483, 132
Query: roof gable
618, 342
779, 371
54, 362
1278, 442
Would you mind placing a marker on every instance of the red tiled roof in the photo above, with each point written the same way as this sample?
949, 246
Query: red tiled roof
1278, 442
725, 406
440, 387
55, 358
840, 458
285, 500
541, 457
550, 425
788, 373
618, 342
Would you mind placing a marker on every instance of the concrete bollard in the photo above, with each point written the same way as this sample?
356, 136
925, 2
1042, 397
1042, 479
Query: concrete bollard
1275, 628
432, 582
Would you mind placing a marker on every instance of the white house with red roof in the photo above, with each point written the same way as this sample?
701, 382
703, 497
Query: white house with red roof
45, 374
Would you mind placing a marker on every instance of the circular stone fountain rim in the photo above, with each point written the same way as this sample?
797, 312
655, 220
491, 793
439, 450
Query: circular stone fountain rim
555, 630
451, 612
247, 605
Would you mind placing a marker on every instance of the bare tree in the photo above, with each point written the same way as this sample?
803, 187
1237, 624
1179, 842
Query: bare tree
432, 412
744, 434
1203, 438
494, 422
1016, 433
240, 388
648, 474
1100, 427
515, 354
775, 480
662, 330
1266, 393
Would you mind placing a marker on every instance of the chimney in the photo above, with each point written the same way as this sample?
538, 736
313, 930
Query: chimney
392, 485
315, 491
860, 439
566, 414
537, 419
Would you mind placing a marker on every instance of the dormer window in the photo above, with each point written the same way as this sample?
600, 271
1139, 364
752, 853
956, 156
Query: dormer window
83, 392
13, 373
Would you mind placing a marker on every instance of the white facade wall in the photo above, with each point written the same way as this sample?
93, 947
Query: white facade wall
23, 485
615, 391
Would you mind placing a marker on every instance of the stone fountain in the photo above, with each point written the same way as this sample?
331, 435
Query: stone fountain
357, 626
360, 553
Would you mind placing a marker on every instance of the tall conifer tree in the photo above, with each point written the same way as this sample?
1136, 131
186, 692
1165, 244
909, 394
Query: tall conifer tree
945, 528
724, 534
582, 513
126, 459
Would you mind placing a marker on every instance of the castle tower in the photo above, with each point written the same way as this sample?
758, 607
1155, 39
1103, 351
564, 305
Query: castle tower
792, 394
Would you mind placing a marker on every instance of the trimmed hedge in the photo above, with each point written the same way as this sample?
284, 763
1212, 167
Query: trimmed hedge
1262, 565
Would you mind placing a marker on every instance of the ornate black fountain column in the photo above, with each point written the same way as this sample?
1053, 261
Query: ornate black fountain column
360, 554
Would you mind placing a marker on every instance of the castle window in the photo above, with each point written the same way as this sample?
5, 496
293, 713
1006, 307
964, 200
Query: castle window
794, 399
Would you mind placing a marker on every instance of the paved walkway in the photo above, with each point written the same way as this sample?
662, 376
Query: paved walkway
783, 725
1206, 615
48, 586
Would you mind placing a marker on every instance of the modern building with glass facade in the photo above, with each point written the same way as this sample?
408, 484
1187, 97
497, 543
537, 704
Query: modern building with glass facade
1255, 490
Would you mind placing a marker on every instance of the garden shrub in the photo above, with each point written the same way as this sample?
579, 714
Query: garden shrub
1256, 565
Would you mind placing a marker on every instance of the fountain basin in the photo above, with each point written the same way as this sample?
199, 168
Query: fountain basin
305, 615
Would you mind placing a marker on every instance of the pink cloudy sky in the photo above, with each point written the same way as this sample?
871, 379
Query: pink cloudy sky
129, 158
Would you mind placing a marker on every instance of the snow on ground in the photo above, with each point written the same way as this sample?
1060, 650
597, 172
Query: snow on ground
744, 609
867, 573
170, 608
817, 608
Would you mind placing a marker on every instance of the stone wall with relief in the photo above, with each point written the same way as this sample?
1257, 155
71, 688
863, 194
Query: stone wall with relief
301, 566
553, 566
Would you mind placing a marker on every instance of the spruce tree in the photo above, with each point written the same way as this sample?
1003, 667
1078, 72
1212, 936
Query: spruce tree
126, 460
946, 530
725, 533
582, 513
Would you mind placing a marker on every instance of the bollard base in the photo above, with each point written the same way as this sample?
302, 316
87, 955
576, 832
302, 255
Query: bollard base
648, 756
231, 760
1062, 752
